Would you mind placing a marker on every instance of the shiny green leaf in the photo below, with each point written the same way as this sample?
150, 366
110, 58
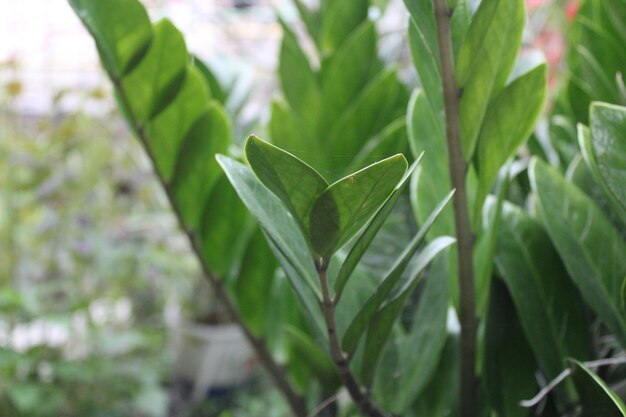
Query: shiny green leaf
345, 206
485, 61
596, 397
590, 247
294, 182
509, 120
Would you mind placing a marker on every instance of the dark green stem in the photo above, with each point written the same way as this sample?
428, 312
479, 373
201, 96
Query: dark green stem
465, 240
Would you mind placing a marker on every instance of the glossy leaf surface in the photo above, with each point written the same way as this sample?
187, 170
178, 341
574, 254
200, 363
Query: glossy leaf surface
596, 397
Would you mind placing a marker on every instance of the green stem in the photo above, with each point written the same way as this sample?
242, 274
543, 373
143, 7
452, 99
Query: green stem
465, 240
295, 400
357, 393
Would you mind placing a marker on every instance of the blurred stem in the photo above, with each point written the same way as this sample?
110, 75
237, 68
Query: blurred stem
295, 400
458, 171
357, 393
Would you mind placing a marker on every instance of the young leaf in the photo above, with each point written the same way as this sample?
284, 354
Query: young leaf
592, 250
345, 206
274, 219
596, 397
382, 323
369, 233
361, 320
509, 120
121, 28
295, 183
547, 303
485, 61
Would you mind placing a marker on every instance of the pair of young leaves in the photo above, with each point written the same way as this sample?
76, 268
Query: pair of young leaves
328, 215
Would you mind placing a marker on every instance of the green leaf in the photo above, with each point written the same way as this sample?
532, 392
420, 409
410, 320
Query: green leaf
426, 61
596, 397
196, 169
369, 233
288, 131
294, 182
432, 179
421, 350
590, 247
215, 87
485, 61
379, 103
382, 322
339, 20
370, 308
311, 19
157, 78
169, 129
223, 228
509, 365
298, 81
608, 131
349, 69
509, 120
253, 285
547, 302
274, 219
121, 28
345, 206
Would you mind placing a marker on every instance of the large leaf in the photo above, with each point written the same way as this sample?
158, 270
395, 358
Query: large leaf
608, 131
155, 80
596, 397
547, 303
370, 308
121, 29
509, 120
369, 233
509, 365
196, 170
591, 249
344, 208
382, 323
294, 182
485, 61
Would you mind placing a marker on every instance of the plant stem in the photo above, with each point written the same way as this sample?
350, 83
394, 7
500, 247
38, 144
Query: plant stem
458, 171
359, 396
296, 402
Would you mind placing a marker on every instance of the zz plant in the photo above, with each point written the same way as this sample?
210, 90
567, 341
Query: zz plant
536, 258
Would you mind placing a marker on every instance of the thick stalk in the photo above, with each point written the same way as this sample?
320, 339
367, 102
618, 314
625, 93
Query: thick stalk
465, 240
296, 402
357, 393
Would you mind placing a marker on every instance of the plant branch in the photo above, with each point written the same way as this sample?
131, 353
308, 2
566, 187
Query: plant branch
458, 171
567, 372
296, 402
357, 393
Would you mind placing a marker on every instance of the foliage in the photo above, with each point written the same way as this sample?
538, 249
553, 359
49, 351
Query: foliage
533, 240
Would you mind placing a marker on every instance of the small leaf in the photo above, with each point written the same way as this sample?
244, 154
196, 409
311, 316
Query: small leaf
596, 397
485, 61
345, 206
509, 120
295, 183
340, 18
361, 320
275, 220
215, 87
369, 233
590, 247
121, 28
